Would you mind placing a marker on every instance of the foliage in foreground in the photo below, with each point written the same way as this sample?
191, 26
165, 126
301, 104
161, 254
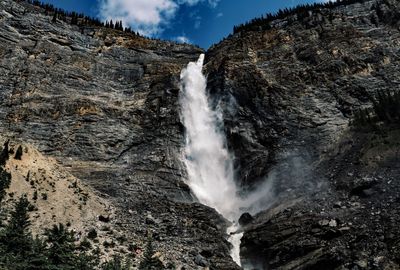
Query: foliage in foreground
56, 250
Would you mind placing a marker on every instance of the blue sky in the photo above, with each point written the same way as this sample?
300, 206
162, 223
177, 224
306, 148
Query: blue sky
201, 22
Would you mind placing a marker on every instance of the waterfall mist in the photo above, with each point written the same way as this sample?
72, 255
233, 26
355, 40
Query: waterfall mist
207, 159
208, 162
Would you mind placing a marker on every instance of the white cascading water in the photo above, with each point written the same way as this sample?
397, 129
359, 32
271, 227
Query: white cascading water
207, 159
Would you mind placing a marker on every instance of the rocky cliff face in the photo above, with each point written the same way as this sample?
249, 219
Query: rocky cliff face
289, 94
295, 86
105, 105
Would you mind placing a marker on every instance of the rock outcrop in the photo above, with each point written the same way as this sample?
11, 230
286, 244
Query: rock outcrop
58, 197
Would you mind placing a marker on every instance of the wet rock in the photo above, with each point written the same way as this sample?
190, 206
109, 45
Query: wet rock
362, 264
338, 205
201, 261
245, 219
364, 187
206, 253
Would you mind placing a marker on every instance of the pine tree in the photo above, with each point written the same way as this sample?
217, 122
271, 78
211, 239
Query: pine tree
5, 180
37, 257
74, 18
115, 264
120, 26
149, 262
84, 261
17, 235
61, 247
4, 154
54, 20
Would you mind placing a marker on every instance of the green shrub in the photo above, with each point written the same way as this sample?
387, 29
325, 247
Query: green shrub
117, 263
92, 233
85, 244
149, 262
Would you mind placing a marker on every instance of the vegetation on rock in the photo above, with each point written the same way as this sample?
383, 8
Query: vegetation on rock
385, 109
303, 11
149, 261
57, 249
79, 19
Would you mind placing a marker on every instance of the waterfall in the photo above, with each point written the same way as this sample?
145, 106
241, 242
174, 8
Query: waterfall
207, 159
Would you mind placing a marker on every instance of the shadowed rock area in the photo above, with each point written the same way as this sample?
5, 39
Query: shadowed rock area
289, 94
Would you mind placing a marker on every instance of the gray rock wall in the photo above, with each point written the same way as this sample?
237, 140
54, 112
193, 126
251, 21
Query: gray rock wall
292, 90
289, 94
105, 105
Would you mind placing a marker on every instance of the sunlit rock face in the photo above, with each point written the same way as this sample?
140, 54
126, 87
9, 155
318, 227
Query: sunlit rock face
105, 105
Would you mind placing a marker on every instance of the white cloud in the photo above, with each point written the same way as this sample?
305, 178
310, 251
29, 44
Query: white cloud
182, 39
219, 15
149, 17
212, 3
189, 2
146, 16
